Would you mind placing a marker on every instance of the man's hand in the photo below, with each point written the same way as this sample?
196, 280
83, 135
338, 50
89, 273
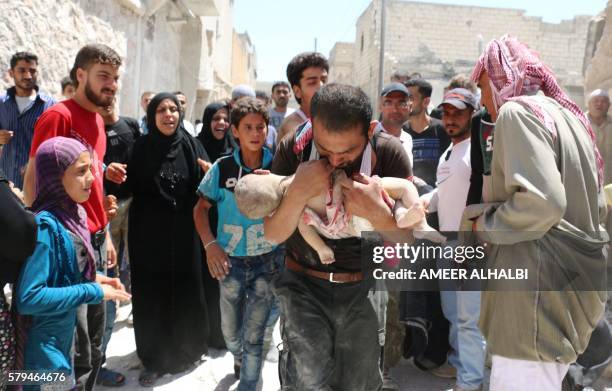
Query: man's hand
204, 165
116, 172
363, 198
5, 136
110, 206
311, 179
111, 253
218, 262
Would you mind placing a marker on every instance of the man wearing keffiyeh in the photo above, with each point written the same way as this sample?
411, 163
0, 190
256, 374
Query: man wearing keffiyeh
544, 213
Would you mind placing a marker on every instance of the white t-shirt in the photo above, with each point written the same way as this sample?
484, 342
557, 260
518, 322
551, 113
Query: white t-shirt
404, 138
23, 102
189, 128
452, 185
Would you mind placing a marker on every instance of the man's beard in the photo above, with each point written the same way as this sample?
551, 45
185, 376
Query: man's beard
281, 103
96, 99
415, 111
462, 131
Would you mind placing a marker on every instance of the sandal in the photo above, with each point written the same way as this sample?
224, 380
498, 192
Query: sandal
147, 378
109, 378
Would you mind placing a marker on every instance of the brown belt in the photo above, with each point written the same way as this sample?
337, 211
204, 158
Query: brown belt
339, 278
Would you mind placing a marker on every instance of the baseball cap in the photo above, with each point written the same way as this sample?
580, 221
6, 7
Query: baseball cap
242, 90
460, 98
395, 87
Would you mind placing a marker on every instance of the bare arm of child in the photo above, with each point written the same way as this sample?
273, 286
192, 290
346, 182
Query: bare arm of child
216, 258
311, 236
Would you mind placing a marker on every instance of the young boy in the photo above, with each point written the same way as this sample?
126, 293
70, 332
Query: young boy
239, 257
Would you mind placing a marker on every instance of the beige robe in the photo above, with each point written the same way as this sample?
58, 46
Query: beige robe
545, 214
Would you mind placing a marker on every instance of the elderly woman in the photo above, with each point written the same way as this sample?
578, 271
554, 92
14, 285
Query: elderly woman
169, 308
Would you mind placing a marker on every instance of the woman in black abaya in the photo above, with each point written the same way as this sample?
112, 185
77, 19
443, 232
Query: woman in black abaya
214, 138
169, 306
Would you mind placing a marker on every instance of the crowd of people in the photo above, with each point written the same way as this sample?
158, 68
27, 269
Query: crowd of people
98, 209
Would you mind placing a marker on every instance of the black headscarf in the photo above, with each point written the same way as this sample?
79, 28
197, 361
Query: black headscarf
160, 148
213, 147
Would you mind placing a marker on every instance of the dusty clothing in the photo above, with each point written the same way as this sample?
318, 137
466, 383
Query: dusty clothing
548, 215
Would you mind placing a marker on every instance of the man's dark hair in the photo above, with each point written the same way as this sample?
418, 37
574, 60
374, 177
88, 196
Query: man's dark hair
280, 84
462, 81
302, 61
423, 86
340, 107
245, 106
66, 81
26, 56
93, 54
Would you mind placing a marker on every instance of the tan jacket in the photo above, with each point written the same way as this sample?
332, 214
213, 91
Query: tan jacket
545, 214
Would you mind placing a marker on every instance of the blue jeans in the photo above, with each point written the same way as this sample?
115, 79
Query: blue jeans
462, 309
246, 302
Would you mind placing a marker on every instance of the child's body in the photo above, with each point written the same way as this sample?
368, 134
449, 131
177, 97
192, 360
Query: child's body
259, 195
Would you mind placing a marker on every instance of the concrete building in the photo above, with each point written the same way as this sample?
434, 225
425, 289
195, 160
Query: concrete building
167, 45
243, 58
440, 40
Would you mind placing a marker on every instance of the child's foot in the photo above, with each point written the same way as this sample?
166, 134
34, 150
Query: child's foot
406, 218
424, 231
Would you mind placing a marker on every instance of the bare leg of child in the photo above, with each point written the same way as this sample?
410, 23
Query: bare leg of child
310, 235
409, 212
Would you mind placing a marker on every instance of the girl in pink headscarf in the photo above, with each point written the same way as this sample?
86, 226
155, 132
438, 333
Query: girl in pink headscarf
60, 274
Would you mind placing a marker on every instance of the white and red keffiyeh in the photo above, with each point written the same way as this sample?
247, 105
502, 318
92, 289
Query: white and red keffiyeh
515, 72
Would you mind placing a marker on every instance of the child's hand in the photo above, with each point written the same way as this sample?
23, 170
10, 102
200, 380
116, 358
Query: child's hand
204, 165
326, 255
111, 293
218, 262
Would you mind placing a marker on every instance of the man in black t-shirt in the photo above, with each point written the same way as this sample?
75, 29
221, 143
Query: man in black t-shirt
330, 329
429, 139
121, 133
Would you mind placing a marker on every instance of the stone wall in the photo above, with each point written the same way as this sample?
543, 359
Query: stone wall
599, 72
440, 40
164, 46
54, 31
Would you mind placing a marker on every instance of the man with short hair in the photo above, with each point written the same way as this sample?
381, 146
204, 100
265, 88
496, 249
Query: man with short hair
325, 307
306, 73
394, 106
461, 307
429, 139
182, 98
281, 93
145, 98
68, 88
95, 73
20, 107
545, 210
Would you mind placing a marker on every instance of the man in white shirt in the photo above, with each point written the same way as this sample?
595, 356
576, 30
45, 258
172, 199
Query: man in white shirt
182, 98
461, 308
